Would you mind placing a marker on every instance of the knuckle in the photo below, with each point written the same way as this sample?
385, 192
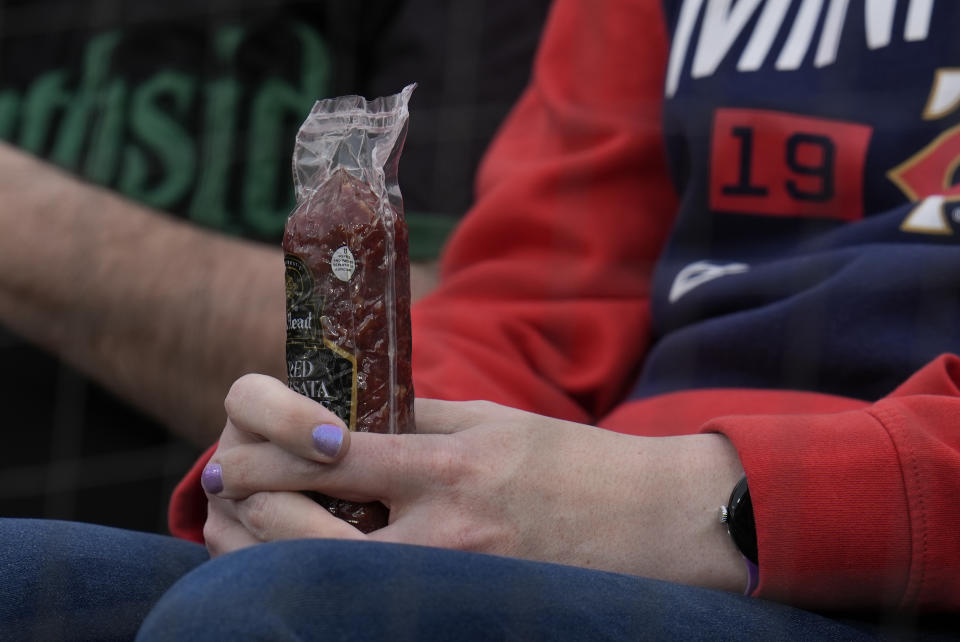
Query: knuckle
237, 470
484, 409
448, 463
482, 537
211, 539
213, 530
257, 515
241, 391
306, 470
235, 395
465, 537
482, 404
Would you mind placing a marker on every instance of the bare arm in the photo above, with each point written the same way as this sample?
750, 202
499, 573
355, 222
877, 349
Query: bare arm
164, 314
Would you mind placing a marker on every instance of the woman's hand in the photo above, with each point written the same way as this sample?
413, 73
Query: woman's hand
478, 477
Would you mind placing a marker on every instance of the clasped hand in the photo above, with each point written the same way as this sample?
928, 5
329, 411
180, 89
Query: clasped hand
478, 477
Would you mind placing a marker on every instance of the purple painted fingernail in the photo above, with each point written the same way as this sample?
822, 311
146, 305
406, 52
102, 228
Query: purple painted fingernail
212, 479
328, 439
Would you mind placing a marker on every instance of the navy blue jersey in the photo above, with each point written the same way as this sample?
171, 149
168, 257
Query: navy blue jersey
815, 145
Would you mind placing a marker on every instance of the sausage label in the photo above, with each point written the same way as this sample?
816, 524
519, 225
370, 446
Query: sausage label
316, 368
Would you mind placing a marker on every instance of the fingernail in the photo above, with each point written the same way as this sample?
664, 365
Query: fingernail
212, 479
328, 439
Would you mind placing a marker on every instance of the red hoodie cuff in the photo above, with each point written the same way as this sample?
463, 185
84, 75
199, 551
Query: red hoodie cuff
829, 502
188, 505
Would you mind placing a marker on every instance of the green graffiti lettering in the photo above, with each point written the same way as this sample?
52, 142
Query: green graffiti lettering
275, 101
9, 112
76, 123
164, 136
44, 98
209, 205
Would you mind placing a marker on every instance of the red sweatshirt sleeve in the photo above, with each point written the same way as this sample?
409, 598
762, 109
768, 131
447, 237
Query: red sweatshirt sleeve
859, 509
187, 512
544, 298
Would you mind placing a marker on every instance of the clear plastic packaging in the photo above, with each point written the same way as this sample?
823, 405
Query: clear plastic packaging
348, 273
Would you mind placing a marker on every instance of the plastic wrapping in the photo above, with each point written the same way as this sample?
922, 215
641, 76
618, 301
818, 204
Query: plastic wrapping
348, 273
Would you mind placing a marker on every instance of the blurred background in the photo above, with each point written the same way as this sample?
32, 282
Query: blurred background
191, 107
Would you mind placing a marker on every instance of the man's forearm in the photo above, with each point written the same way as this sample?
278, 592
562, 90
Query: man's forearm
163, 313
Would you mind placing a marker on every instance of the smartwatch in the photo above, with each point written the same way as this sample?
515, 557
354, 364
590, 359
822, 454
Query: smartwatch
738, 517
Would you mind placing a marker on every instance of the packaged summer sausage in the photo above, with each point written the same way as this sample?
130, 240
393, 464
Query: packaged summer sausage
348, 273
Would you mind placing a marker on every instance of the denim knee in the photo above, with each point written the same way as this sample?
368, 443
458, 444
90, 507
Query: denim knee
282, 590
73, 581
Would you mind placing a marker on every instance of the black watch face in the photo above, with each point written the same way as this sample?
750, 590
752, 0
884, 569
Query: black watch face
742, 527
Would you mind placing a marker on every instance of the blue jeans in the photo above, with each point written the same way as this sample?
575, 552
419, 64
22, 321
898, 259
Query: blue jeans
66, 581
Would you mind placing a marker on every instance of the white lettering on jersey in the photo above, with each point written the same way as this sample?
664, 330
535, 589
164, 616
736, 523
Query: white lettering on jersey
721, 26
723, 22
880, 22
801, 35
830, 37
762, 38
696, 274
681, 42
918, 20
